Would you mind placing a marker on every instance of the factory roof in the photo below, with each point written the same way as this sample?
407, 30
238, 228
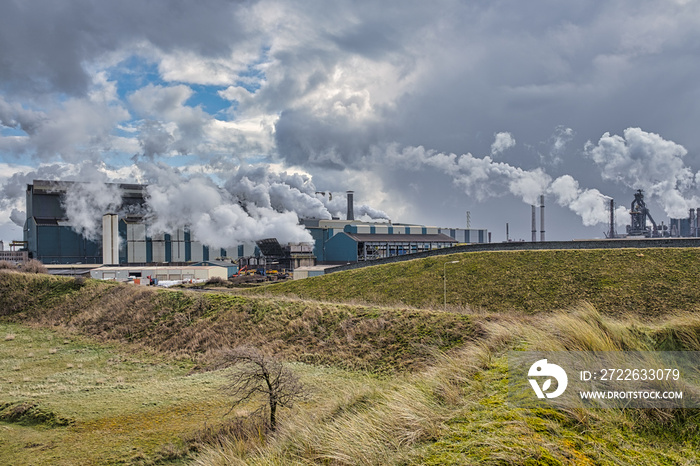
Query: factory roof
402, 238
215, 263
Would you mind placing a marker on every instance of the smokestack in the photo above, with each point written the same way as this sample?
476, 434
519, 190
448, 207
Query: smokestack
542, 217
534, 224
697, 223
611, 233
507, 233
351, 212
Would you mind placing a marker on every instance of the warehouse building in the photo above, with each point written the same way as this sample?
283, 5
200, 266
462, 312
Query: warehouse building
143, 275
354, 241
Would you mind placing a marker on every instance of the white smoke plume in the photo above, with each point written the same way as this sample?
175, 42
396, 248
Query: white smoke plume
557, 145
261, 187
18, 217
503, 142
337, 208
641, 160
86, 203
483, 177
589, 204
290, 192
214, 216
479, 177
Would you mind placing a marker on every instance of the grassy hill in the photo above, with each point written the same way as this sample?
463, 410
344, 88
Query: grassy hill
616, 281
130, 374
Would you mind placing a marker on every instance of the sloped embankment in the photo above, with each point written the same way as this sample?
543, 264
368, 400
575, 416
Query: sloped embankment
650, 281
196, 325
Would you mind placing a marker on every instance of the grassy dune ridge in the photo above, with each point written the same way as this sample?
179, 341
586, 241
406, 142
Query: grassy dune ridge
196, 325
645, 282
393, 383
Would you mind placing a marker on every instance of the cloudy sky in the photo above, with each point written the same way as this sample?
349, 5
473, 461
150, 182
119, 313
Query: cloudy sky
237, 112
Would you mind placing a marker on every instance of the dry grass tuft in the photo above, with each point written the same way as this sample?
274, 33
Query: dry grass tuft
10, 337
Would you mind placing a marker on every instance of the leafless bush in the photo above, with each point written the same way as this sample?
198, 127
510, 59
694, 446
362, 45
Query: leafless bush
216, 281
258, 376
7, 265
33, 266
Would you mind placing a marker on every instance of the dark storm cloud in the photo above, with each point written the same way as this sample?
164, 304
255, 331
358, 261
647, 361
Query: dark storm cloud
306, 139
328, 87
44, 44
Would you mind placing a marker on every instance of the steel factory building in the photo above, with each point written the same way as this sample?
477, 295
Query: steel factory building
127, 240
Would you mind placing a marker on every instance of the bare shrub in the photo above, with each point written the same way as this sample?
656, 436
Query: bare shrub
258, 376
33, 266
7, 265
217, 281
79, 282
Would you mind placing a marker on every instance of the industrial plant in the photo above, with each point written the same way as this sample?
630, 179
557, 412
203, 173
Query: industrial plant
127, 239
639, 228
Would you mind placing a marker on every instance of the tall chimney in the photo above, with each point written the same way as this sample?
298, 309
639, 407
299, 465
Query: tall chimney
534, 224
611, 233
351, 212
542, 217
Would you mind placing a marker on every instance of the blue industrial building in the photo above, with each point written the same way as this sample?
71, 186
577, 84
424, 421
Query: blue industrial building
354, 241
51, 239
127, 237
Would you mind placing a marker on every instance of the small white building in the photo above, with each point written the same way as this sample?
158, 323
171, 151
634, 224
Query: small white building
310, 271
142, 275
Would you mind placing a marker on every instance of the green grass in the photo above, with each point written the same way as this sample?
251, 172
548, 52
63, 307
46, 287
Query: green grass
114, 405
457, 412
195, 325
616, 281
98, 404
116, 374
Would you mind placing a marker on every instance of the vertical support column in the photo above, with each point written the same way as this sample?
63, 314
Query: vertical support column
691, 225
110, 239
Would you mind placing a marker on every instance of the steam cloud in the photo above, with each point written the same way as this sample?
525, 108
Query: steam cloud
503, 141
479, 177
641, 160
215, 217
255, 201
85, 203
18, 217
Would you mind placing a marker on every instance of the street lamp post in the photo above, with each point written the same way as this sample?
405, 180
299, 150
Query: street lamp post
444, 281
